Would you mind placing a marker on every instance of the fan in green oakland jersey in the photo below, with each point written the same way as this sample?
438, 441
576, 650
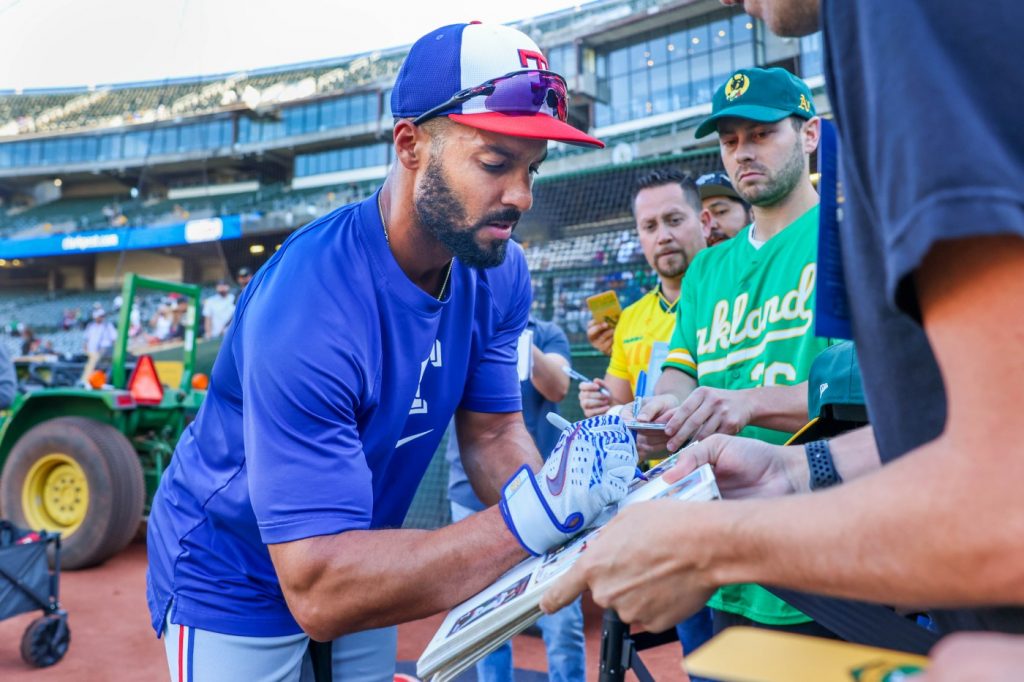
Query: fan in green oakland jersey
744, 340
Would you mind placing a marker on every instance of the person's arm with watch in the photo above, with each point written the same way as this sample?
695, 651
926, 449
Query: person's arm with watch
750, 468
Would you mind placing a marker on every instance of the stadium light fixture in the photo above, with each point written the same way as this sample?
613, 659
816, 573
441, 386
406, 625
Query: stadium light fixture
57, 182
257, 249
16, 263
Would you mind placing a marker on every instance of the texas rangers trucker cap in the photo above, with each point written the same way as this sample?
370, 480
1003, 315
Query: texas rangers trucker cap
485, 76
765, 95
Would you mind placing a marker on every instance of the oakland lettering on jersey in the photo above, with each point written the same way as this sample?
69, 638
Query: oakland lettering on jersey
728, 330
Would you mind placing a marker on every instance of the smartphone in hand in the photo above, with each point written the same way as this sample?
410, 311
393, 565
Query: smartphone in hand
605, 307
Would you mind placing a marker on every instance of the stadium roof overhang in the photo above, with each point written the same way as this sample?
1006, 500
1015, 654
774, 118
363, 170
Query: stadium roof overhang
275, 158
654, 19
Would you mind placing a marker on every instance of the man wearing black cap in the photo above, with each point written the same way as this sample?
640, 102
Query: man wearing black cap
278, 519
724, 212
243, 276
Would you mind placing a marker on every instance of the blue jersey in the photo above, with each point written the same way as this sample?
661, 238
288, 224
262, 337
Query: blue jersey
330, 394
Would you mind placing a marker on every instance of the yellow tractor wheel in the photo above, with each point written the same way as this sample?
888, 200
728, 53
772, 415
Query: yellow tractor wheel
80, 478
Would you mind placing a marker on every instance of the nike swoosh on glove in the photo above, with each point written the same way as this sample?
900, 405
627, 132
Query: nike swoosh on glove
590, 467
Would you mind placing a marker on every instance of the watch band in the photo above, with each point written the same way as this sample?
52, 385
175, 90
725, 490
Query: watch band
820, 465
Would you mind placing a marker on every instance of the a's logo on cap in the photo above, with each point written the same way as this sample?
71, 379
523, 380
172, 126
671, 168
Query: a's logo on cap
804, 104
736, 86
885, 671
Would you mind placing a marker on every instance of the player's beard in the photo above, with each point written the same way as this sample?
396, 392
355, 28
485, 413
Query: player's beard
778, 185
443, 216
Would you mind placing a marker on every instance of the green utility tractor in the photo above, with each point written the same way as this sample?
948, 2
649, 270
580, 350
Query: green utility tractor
83, 456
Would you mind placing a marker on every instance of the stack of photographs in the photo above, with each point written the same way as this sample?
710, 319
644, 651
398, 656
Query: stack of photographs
508, 606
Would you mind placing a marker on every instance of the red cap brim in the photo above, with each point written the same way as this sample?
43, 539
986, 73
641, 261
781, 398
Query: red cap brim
535, 126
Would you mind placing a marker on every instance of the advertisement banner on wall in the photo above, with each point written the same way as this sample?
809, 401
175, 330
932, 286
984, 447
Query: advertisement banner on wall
125, 238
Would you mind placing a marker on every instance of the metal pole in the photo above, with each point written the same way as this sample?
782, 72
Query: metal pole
615, 648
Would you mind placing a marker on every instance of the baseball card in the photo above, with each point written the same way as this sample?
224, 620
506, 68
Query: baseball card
605, 307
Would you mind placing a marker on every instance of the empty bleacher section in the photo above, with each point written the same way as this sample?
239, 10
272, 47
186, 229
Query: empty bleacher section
116, 105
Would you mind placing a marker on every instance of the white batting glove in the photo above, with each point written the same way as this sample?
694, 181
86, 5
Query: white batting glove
590, 467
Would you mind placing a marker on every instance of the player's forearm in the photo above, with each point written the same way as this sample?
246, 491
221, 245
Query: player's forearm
938, 527
491, 456
367, 579
783, 408
547, 375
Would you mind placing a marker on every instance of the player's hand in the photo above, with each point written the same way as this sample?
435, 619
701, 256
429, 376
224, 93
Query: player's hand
591, 467
592, 401
745, 467
653, 444
706, 411
600, 335
976, 657
648, 564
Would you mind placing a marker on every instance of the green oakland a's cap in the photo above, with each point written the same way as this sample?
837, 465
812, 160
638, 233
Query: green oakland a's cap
765, 95
835, 381
835, 394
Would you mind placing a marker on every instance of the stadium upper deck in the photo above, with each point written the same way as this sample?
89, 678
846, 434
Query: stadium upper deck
268, 149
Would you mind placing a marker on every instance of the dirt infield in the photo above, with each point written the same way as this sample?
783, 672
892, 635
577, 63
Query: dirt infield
111, 638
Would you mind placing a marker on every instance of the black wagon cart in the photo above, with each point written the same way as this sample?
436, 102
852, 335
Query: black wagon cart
28, 584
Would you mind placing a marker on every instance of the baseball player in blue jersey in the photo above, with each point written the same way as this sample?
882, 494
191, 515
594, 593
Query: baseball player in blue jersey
279, 517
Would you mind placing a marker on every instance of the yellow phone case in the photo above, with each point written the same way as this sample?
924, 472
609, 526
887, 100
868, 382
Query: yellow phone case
605, 307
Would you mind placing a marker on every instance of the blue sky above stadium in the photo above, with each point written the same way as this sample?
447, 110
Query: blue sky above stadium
56, 43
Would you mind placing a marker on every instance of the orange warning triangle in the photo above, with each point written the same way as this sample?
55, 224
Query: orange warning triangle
145, 385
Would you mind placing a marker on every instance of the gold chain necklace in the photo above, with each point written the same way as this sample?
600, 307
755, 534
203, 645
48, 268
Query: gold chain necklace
447, 276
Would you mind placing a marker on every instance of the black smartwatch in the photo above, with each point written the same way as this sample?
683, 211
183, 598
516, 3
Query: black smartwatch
822, 469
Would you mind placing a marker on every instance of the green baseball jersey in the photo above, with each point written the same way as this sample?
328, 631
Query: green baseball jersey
746, 319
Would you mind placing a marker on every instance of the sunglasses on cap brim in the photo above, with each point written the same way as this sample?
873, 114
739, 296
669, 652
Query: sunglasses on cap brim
517, 93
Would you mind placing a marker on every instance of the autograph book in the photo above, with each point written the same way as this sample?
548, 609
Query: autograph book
508, 606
